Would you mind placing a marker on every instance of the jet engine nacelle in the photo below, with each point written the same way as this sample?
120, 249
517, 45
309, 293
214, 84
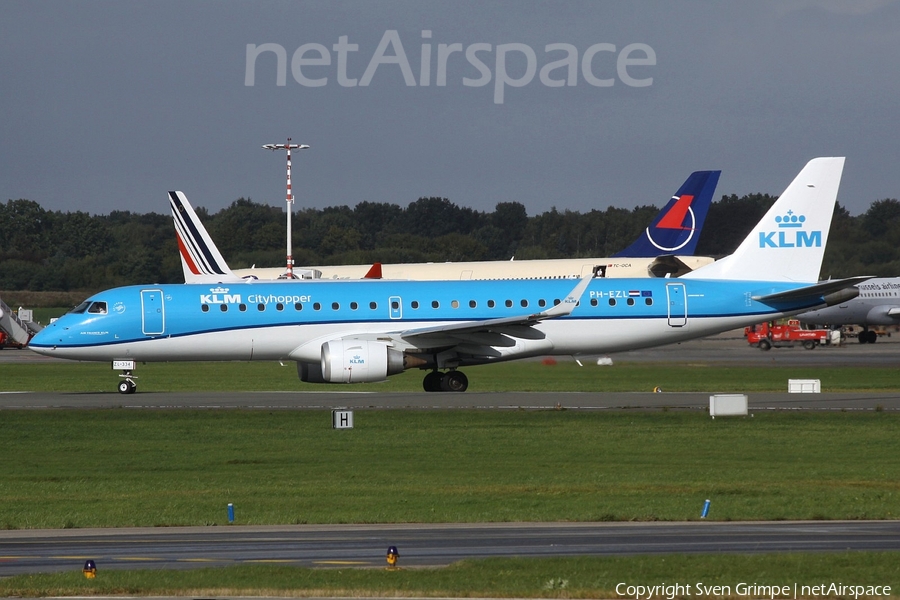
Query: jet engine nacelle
883, 315
357, 361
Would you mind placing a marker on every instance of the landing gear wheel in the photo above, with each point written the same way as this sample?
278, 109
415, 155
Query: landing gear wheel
872, 336
764, 345
454, 381
432, 381
127, 387
809, 344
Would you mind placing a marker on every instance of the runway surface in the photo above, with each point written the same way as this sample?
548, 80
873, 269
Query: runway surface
887, 401
419, 545
722, 350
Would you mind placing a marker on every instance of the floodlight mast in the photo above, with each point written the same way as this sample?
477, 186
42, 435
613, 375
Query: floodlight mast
289, 273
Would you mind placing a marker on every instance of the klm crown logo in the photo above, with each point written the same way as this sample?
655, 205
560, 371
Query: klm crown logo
218, 290
783, 238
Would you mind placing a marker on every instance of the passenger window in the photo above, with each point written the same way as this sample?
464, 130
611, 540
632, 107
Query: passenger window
298, 306
648, 301
612, 301
593, 302
335, 306
373, 305
354, 306
435, 304
414, 304
508, 303
454, 303
317, 306
630, 301
555, 301
204, 308
472, 304
223, 307
490, 304
542, 303
261, 307
524, 303
242, 307
279, 306
395, 305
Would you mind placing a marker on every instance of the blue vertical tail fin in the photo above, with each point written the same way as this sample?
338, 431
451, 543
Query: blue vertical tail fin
676, 229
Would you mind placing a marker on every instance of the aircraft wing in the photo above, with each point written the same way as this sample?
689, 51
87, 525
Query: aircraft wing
814, 291
504, 324
481, 337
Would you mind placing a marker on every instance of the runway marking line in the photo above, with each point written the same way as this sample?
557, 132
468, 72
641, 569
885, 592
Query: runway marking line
138, 558
69, 557
341, 562
209, 560
269, 560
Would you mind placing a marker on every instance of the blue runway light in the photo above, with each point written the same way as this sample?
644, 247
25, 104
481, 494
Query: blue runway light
230, 512
705, 509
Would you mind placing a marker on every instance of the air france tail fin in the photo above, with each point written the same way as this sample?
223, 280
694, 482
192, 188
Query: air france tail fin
676, 229
200, 259
789, 242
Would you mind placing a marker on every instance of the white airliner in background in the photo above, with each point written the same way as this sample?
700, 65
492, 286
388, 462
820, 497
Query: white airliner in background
665, 248
367, 330
878, 303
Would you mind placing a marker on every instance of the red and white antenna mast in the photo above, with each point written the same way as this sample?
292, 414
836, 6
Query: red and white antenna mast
289, 273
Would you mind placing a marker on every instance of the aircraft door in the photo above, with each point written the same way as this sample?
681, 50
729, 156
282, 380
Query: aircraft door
677, 302
153, 312
396, 306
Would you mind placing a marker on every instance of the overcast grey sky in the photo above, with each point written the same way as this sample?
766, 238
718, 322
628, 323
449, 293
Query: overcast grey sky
107, 105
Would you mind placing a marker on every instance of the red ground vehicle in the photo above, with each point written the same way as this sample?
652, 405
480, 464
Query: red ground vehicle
6, 342
771, 335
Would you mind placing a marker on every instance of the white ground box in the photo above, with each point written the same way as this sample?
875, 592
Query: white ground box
727, 405
342, 419
804, 386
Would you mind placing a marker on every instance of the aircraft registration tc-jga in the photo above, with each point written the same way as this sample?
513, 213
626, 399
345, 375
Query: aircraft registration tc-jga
367, 330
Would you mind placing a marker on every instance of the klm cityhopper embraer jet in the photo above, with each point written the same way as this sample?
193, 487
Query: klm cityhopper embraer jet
366, 330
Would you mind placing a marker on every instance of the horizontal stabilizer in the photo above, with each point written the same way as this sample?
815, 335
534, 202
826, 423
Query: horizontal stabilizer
813, 291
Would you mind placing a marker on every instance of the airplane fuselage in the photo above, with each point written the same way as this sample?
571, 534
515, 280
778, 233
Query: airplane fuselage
292, 320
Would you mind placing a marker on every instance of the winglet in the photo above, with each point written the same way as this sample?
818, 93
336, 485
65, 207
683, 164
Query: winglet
676, 229
568, 305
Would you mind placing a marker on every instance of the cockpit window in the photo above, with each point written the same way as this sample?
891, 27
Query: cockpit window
81, 307
97, 308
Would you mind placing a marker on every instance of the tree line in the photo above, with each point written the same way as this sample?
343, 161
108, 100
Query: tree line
43, 250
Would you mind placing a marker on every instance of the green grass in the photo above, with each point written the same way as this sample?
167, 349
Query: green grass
582, 577
531, 376
121, 467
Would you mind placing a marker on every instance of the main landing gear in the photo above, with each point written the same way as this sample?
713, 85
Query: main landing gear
451, 381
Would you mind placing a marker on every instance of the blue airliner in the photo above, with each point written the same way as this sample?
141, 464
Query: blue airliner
366, 330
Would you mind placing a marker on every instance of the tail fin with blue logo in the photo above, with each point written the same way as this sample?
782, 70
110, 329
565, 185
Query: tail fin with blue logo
676, 229
788, 244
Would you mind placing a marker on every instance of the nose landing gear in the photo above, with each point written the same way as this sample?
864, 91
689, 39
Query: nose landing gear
127, 385
451, 381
